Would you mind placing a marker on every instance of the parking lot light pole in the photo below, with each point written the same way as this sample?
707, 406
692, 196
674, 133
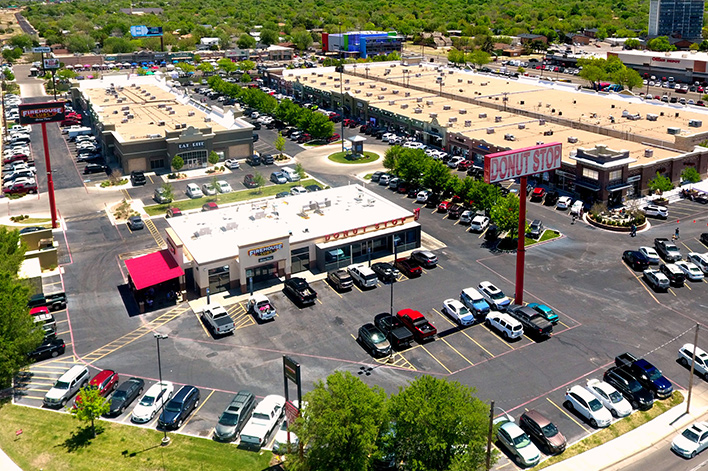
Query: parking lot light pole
395, 257
489, 436
690, 380
158, 337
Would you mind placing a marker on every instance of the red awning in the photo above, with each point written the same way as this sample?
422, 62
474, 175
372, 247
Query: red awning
153, 269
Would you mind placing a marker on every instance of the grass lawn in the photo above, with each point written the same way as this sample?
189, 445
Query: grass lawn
341, 158
615, 430
52, 440
234, 196
547, 235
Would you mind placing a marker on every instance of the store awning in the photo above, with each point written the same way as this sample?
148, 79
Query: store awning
618, 187
153, 269
589, 186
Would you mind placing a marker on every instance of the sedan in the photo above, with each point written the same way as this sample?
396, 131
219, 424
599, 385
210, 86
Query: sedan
209, 206
385, 271
690, 269
585, 404
635, 259
458, 312
232, 164
467, 216
153, 400
126, 393
223, 186
691, 441
609, 397
650, 254
515, 440
409, 267
50, 348
135, 223
479, 223
208, 189
374, 340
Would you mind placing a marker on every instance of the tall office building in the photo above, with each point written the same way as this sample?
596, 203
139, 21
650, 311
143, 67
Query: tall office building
682, 18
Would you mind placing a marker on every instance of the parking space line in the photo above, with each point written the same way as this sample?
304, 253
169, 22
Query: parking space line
199, 320
496, 336
641, 283
33, 397
672, 291
63, 332
687, 286
433, 357
330, 287
246, 321
567, 414
150, 177
155, 233
563, 324
319, 300
127, 195
457, 351
197, 410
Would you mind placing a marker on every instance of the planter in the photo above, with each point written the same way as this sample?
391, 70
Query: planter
608, 227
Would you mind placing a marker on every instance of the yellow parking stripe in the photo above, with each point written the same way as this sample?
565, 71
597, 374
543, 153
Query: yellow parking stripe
433, 357
497, 336
155, 233
456, 351
196, 410
199, 320
567, 415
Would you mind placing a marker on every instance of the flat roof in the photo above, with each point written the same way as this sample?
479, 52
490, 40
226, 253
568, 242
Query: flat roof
147, 107
549, 99
217, 235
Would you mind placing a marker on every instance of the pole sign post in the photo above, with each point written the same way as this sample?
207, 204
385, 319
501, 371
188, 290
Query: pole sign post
43, 113
520, 163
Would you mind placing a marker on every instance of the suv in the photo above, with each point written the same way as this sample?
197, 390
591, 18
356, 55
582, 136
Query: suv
685, 357
137, 178
623, 381
253, 160
425, 257
475, 302
543, 431
66, 386
536, 229
507, 326
179, 407
494, 296
675, 275
232, 420
656, 211
341, 279
249, 181
363, 275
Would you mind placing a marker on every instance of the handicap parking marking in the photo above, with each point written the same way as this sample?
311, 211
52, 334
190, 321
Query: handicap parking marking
397, 360
567, 414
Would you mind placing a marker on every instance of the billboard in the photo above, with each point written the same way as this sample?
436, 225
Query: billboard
143, 31
521, 162
33, 113
51, 63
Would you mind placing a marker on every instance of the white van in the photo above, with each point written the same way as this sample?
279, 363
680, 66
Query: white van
66, 386
363, 275
290, 174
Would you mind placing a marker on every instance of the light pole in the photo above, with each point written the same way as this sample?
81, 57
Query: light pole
158, 337
396, 239
341, 92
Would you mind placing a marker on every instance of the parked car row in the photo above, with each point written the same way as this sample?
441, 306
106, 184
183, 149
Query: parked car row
18, 173
672, 273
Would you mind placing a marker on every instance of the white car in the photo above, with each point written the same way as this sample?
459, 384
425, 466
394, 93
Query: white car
479, 223
458, 312
193, 191
609, 397
467, 216
152, 401
507, 326
298, 190
651, 254
576, 208
685, 356
223, 186
691, 441
455, 161
208, 189
494, 296
700, 259
264, 419
656, 211
280, 443
517, 442
563, 202
585, 404
422, 196
692, 271
232, 164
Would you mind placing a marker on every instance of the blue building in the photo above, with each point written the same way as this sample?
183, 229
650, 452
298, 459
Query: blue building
362, 43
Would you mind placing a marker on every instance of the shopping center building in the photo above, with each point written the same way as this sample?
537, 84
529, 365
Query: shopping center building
613, 144
144, 122
275, 238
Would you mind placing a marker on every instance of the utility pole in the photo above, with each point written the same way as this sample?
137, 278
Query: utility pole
693, 362
489, 436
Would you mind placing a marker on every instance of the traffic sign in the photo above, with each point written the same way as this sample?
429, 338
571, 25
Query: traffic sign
42, 49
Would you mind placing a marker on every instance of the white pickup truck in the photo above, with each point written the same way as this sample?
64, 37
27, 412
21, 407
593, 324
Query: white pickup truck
261, 307
217, 319
264, 419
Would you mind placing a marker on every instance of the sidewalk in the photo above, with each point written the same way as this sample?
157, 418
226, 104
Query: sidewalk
6, 464
631, 444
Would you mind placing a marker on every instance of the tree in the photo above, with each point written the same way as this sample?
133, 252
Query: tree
168, 191
269, 37
23, 41
300, 170
438, 176
505, 214
632, 43
690, 174
412, 165
302, 39
628, 78
246, 41
343, 418
320, 126
456, 56
206, 68
185, 67
391, 157
245, 78
482, 195
280, 143
227, 65
246, 65
90, 405
660, 44
660, 183
177, 163
213, 158
259, 180
593, 74
438, 424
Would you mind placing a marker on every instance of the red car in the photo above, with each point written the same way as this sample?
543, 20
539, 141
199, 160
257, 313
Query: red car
334, 137
444, 206
105, 381
464, 165
537, 194
409, 267
36, 311
417, 324
15, 158
350, 123
304, 138
20, 188
210, 206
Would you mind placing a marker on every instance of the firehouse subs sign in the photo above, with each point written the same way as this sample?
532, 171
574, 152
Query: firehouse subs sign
365, 229
33, 113
266, 250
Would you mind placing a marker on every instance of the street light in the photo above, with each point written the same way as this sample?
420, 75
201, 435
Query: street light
158, 337
396, 240
341, 92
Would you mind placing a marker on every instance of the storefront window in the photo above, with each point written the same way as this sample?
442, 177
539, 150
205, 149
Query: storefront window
219, 279
300, 259
615, 175
157, 164
337, 258
591, 174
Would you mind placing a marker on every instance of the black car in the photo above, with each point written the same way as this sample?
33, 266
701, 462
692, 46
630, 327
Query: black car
425, 258
385, 271
256, 126
374, 340
413, 192
267, 159
137, 178
135, 223
398, 334
51, 348
492, 233
637, 395
253, 160
125, 394
675, 275
635, 259
376, 175
455, 211
282, 194
704, 238
551, 198
95, 168
180, 406
312, 188
27, 230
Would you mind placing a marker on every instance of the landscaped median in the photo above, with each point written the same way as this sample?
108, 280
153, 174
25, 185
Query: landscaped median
224, 198
615, 430
52, 440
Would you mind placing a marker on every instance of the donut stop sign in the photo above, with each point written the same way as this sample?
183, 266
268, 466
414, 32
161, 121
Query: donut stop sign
522, 162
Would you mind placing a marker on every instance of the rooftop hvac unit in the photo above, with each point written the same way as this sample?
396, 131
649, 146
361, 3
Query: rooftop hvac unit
395, 92
459, 80
369, 93
160, 123
168, 108
379, 97
184, 125
419, 100
572, 139
134, 85
361, 83
161, 105
320, 75
468, 123
392, 102
357, 91
407, 94
124, 121
207, 119
695, 123
323, 83
433, 115
126, 113
539, 143
463, 111
497, 119
346, 89
120, 100
469, 81
548, 133
115, 111
522, 126
346, 80
153, 136
649, 153
490, 130
453, 119
329, 77
404, 106
190, 113
652, 117
130, 116
450, 72
429, 102
482, 115
674, 131
383, 89
172, 111
418, 111
313, 73
372, 85
541, 122
446, 107
509, 137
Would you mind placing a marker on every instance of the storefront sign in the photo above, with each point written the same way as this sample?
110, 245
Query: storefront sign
265, 259
365, 229
267, 250
33, 113
191, 145
51, 63
518, 163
